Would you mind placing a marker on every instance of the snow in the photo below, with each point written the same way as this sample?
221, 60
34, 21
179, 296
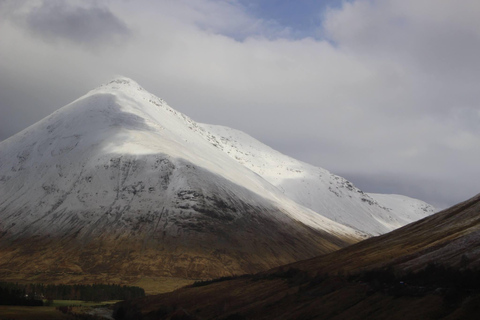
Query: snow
119, 153
405, 209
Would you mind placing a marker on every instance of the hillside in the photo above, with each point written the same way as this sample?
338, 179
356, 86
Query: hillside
426, 270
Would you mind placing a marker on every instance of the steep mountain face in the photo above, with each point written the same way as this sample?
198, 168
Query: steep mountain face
118, 182
428, 269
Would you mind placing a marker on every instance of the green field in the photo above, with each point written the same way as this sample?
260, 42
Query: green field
44, 313
152, 285
80, 303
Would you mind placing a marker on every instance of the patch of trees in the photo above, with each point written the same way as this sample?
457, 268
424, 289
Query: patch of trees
94, 292
452, 283
13, 295
294, 277
202, 283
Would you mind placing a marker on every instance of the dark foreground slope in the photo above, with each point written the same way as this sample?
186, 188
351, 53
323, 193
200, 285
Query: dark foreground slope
426, 270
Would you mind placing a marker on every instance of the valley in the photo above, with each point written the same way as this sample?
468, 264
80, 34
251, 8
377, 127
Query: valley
426, 270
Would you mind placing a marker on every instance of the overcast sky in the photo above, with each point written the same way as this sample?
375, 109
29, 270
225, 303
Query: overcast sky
385, 93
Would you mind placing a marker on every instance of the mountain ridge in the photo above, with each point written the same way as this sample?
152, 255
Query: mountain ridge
318, 189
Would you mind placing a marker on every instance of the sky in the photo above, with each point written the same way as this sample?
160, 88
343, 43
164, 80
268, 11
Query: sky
385, 93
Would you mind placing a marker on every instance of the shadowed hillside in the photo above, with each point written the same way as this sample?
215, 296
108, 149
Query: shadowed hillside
426, 270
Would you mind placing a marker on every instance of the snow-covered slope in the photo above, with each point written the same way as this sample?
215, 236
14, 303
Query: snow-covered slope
318, 189
120, 126
405, 209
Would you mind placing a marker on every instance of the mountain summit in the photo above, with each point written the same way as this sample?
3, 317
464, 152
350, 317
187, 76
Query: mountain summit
118, 182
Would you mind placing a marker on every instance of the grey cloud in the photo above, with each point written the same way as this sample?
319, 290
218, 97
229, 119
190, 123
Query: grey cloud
57, 20
438, 191
25, 99
435, 47
377, 107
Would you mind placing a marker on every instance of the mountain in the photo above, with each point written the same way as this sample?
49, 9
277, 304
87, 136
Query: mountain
429, 269
119, 183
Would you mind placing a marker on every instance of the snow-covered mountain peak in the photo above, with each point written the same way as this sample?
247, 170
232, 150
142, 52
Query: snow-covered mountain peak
122, 120
114, 114
119, 164
121, 82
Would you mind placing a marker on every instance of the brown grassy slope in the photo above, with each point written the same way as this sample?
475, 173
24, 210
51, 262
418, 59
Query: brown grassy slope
301, 291
280, 298
236, 247
443, 238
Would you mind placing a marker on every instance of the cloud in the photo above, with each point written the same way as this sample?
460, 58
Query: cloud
83, 25
435, 44
429, 190
298, 20
392, 92
221, 17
